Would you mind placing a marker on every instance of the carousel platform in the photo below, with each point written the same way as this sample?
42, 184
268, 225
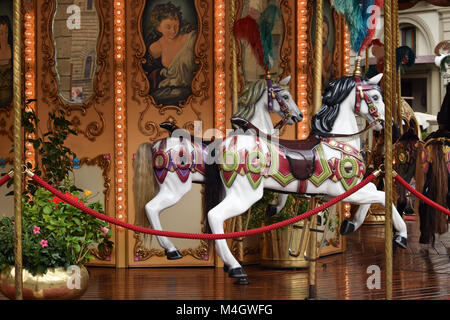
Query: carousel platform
419, 273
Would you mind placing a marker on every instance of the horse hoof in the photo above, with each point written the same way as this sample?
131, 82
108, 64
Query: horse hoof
271, 211
347, 227
173, 255
237, 273
401, 242
225, 268
242, 281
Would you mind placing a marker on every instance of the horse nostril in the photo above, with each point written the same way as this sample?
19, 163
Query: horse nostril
297, 118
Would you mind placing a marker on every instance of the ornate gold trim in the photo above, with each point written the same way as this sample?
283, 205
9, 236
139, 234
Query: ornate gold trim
101, 80
142, 254
104, 162
286, 50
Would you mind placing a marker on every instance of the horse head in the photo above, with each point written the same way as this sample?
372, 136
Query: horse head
280, 101
369, 101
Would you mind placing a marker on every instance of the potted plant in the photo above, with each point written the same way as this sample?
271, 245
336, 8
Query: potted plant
276, 243
57, 237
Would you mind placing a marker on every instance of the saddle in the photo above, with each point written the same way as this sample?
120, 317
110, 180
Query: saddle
300, 153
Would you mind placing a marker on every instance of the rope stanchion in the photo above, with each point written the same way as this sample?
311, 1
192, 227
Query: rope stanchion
421, 196
200, 236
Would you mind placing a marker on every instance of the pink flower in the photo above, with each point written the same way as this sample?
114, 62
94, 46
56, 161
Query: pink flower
105, 231
44, 243
36, 230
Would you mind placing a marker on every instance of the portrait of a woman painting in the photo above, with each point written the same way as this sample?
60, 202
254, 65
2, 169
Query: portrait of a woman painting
170, 33
6, 69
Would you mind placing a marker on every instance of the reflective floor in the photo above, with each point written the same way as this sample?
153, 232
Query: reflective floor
420, 272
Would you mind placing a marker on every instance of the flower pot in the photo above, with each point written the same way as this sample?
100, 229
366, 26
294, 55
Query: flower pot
275, 248
55, 284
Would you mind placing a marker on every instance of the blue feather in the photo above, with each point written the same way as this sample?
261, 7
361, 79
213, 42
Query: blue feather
266, 23
356, 16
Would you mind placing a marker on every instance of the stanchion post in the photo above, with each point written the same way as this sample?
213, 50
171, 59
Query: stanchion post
17, 83
312, 254
388, 91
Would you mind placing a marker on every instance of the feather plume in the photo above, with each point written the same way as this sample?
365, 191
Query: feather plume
358, 16
247, 29
405, 56
267, 22
371, 24
444, 62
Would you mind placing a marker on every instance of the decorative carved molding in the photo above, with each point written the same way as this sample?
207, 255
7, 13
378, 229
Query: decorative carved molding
142, 254
102, 75
287, 51
139, 81
102, 161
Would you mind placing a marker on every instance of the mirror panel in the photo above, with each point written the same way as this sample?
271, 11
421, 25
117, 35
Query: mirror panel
75, 35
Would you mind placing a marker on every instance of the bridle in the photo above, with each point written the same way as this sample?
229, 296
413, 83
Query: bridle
272, 93
361, 94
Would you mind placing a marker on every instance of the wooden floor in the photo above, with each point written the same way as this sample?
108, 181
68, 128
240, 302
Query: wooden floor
419, 273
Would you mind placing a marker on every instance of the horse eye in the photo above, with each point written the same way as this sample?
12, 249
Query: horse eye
375, 98
286, 97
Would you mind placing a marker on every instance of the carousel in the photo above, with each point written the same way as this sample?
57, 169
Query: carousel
217, 150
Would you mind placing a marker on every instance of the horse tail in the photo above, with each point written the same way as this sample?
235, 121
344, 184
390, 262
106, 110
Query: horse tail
214, 190
436, 187
144, 187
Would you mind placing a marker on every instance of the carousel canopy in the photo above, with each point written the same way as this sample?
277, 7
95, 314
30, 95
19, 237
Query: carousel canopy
406, 4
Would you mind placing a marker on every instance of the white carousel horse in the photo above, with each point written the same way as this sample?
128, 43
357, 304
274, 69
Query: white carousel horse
166, 169
337, 166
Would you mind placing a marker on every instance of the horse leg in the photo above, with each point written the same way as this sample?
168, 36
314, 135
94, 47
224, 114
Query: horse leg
366, 196
232, 205
170, 192
275, 209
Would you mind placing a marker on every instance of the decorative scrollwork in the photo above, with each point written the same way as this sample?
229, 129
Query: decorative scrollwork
102, 161
142, 254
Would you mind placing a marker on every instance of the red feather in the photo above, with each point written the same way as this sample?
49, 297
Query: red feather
371, 32
247, 29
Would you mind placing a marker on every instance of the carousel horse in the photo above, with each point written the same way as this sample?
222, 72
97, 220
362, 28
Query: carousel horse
165, 170
436, 160
323, 165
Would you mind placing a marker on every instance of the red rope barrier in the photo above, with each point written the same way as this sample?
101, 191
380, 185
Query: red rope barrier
5, 179
421, 196
239, 234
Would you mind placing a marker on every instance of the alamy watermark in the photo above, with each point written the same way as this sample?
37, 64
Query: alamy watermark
374, 280
74, 280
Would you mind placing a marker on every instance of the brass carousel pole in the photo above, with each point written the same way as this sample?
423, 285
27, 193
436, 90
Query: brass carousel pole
318, 63
234, 90
317, 104
389, 79
17, 82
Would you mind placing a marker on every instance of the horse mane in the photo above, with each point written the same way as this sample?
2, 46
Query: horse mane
335, 92
251, 94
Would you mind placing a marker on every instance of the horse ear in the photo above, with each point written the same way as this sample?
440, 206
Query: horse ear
285, 81
376, 79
